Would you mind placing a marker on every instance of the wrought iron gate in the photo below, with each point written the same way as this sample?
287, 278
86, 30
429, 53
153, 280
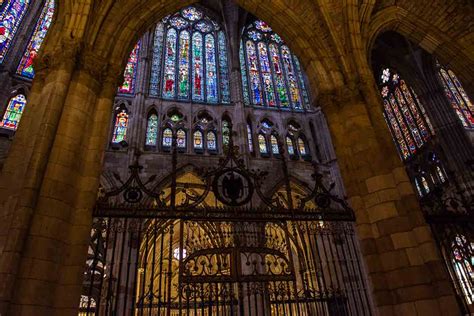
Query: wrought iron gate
159, 248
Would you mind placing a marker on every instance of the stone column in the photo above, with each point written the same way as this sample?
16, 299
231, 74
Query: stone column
405, 268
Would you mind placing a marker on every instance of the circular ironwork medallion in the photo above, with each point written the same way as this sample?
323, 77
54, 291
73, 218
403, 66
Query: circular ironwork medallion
232, 187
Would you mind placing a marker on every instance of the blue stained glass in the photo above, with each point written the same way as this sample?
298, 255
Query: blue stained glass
167, 137
243, 67
291, 77
25, 68
183, 76
274, 143
211, 75
170, 67
178, 22
262, 26
156, 61
10, 18
211, 141
203, 26
254, 73
198, 91
130, 73
266, 75
223, 69
152, 130
301, 81
181, 138
14, 111
191, 14
256, 36
289, 146
250, 137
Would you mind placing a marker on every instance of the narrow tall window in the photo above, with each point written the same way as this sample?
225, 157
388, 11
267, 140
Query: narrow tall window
198, 91
302, 147
225, 132
262, 144
271, 74
223, 69
156, 61
183, 74
130, 73
152, 130
289, 146
198, 140
211, 80
120, 128
211, 141
25, 68
274, 143
10, 18
167, 140
250, 137
170, 65
181, 139
457, 96
404, 114
14, 111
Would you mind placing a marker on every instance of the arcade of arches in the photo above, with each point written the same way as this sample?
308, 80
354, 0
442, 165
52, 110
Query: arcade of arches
236, 156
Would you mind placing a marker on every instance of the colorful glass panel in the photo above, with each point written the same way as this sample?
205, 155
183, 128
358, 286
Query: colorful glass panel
156, 61
414, 110
291, 77
243, 67
211, 75
203, 26
262, 144
167, 137
302, 83
211, 141
225, 132
252, 63
274, 144
223, 68
169, 85
250, 138
396, 132
192, 14
401, 123
152, 130
262, 26
302, 147
183, 60
10, 18
197, 140
178, 22
426, 187
181, 138
120, 128
281, 89
25, 68
198, 91
408, 117
266, 75
14, 111
289, 146
130, 73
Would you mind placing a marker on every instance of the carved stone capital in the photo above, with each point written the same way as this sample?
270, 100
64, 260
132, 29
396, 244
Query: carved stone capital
64, 54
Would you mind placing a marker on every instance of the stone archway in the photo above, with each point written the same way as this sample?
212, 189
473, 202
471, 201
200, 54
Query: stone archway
50, 179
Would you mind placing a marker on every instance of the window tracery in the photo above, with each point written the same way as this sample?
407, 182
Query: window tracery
404, 114
10, 19
271, 74
25, 68
195, 62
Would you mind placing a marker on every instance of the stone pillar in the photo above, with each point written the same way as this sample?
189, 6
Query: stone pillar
405, 268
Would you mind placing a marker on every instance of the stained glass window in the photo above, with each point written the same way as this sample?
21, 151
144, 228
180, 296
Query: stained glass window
152, 130
181, 138
289, 146
156, 60
198, 140
274, 143
25, 68
195, 61
12, 115
457, 97
225, 132
120, 128
262, 144
426, 187
463, 260
211, 80
211, 141
223, 69
167, 137
10, 18
302, 147
129, 76
271, 74
404, 113
170, 65
250, 137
